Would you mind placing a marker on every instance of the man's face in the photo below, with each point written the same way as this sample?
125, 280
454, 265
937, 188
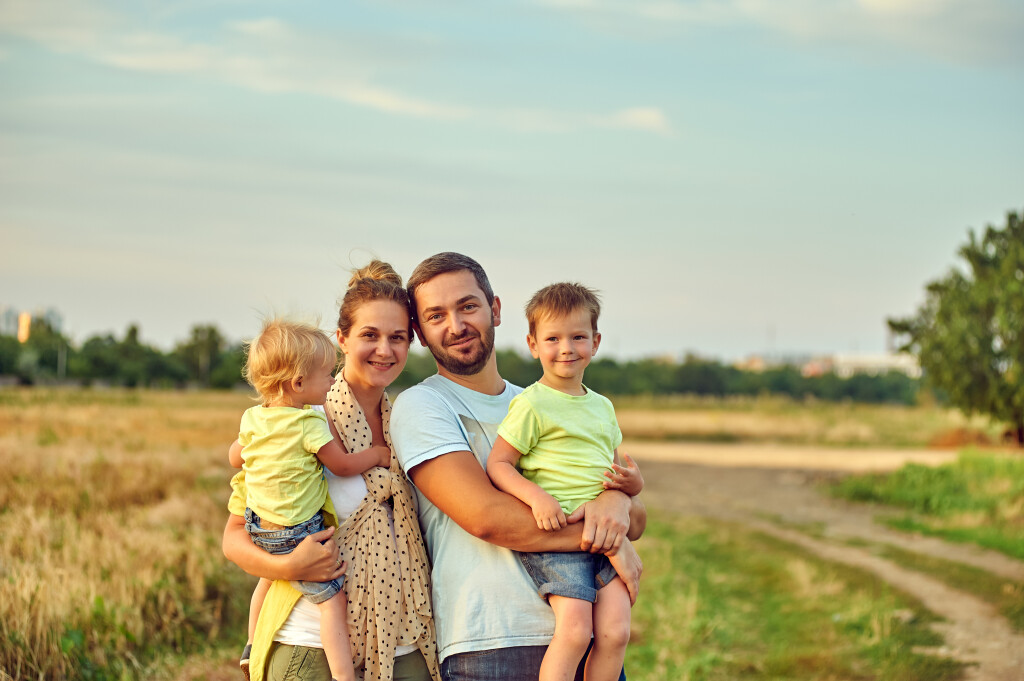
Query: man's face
456, 323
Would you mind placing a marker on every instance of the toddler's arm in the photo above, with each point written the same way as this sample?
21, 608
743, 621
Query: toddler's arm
340, 462
501, 467
334, 456
624, 478
235, 454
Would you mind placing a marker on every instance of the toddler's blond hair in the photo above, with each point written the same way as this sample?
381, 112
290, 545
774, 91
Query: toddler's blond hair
285, 350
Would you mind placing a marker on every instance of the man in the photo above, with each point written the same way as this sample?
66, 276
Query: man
490, 622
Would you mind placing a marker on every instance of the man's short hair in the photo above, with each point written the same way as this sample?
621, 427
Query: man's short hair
559, 300
442, 263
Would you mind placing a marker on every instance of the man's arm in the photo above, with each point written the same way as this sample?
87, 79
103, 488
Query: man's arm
460, 488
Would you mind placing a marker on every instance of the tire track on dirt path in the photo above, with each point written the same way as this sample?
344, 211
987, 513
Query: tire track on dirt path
974, 631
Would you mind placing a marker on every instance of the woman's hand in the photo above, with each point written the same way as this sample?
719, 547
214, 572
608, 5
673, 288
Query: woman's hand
316, 562
310, 561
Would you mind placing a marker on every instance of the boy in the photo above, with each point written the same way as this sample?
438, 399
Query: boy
557, 450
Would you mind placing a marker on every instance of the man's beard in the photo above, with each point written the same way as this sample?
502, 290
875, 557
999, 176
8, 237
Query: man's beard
472, 364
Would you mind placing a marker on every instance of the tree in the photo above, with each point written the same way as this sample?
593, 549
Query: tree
969, 333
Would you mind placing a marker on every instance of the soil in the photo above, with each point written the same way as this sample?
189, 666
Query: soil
774, 489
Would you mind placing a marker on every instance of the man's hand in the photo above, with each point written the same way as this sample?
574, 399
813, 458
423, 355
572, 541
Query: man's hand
605, 522
316, 562
625, 478
629, 568
547, 512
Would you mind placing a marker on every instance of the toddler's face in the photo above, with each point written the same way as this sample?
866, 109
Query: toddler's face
564, 345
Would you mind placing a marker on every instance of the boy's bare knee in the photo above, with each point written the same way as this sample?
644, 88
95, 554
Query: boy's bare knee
613, 635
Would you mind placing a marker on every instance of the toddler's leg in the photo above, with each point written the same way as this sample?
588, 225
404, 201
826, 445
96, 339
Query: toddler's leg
573, 626
611, 633
256, 604
334, 636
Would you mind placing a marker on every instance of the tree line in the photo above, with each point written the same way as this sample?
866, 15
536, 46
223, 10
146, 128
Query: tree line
207, 359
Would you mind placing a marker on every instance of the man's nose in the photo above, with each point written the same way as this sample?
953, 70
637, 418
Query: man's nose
455, 325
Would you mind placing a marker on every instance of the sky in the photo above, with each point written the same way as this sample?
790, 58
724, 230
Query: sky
734, 176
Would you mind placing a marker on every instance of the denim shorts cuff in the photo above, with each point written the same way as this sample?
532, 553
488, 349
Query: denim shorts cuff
319, 592
577, 591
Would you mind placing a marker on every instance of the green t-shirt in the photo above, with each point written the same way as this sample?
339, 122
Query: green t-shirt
567, 442
284, 480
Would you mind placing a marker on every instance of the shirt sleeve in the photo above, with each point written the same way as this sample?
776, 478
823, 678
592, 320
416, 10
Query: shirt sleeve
521, 427
236, 504
315, 431
423, 427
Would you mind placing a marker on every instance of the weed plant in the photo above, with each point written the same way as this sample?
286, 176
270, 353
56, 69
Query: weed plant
979, 498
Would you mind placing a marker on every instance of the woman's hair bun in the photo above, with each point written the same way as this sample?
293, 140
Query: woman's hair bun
376, 270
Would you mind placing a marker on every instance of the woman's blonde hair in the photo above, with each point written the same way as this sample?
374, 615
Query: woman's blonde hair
283, 351
376, 281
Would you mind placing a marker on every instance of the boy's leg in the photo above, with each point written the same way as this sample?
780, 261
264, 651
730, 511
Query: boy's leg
573, 627
611, 632
334, 636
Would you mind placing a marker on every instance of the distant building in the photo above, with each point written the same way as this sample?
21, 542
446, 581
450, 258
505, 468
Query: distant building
8, 321
12, 319
846, 365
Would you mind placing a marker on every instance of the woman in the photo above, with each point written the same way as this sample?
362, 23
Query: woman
387, 574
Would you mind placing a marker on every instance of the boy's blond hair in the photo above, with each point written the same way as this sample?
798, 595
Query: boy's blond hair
285, 350
559, 300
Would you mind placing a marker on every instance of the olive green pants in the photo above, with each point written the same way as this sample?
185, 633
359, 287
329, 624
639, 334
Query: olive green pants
298, 663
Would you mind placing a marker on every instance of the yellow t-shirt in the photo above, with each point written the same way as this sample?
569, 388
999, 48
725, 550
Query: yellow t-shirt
567, 442
284, 480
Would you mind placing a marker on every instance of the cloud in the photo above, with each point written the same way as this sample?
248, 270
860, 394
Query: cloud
962, 31
268, 55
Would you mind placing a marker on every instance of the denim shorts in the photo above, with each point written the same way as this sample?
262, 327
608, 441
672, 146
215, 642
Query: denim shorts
278, 541
573, 575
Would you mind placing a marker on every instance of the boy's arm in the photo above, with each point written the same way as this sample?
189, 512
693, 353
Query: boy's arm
501, 468
235, 454
624, 478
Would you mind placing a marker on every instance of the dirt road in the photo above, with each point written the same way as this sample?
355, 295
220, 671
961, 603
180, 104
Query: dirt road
773, 489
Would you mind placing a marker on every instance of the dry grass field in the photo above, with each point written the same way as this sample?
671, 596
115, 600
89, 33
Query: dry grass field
113, 503
785, 421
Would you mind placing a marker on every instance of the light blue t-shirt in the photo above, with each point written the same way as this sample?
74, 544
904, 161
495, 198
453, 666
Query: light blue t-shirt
483, 598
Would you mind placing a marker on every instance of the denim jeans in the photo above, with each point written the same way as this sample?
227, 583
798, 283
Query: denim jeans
502, 664
285, 540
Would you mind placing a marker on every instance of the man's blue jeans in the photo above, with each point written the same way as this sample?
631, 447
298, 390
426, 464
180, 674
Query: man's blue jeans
501, 664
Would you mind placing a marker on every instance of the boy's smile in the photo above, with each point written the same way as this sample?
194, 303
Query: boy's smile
564, 345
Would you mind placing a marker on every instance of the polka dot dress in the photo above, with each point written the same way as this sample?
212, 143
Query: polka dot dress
388, 590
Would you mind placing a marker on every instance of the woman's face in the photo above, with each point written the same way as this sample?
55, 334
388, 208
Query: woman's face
377, 345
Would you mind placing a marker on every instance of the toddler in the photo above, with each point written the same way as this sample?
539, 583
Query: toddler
280, 448
557, 450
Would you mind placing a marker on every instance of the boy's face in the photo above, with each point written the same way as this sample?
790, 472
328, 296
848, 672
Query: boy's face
564, 345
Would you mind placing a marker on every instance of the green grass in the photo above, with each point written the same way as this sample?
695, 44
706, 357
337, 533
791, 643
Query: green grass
718, 602
977, 499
